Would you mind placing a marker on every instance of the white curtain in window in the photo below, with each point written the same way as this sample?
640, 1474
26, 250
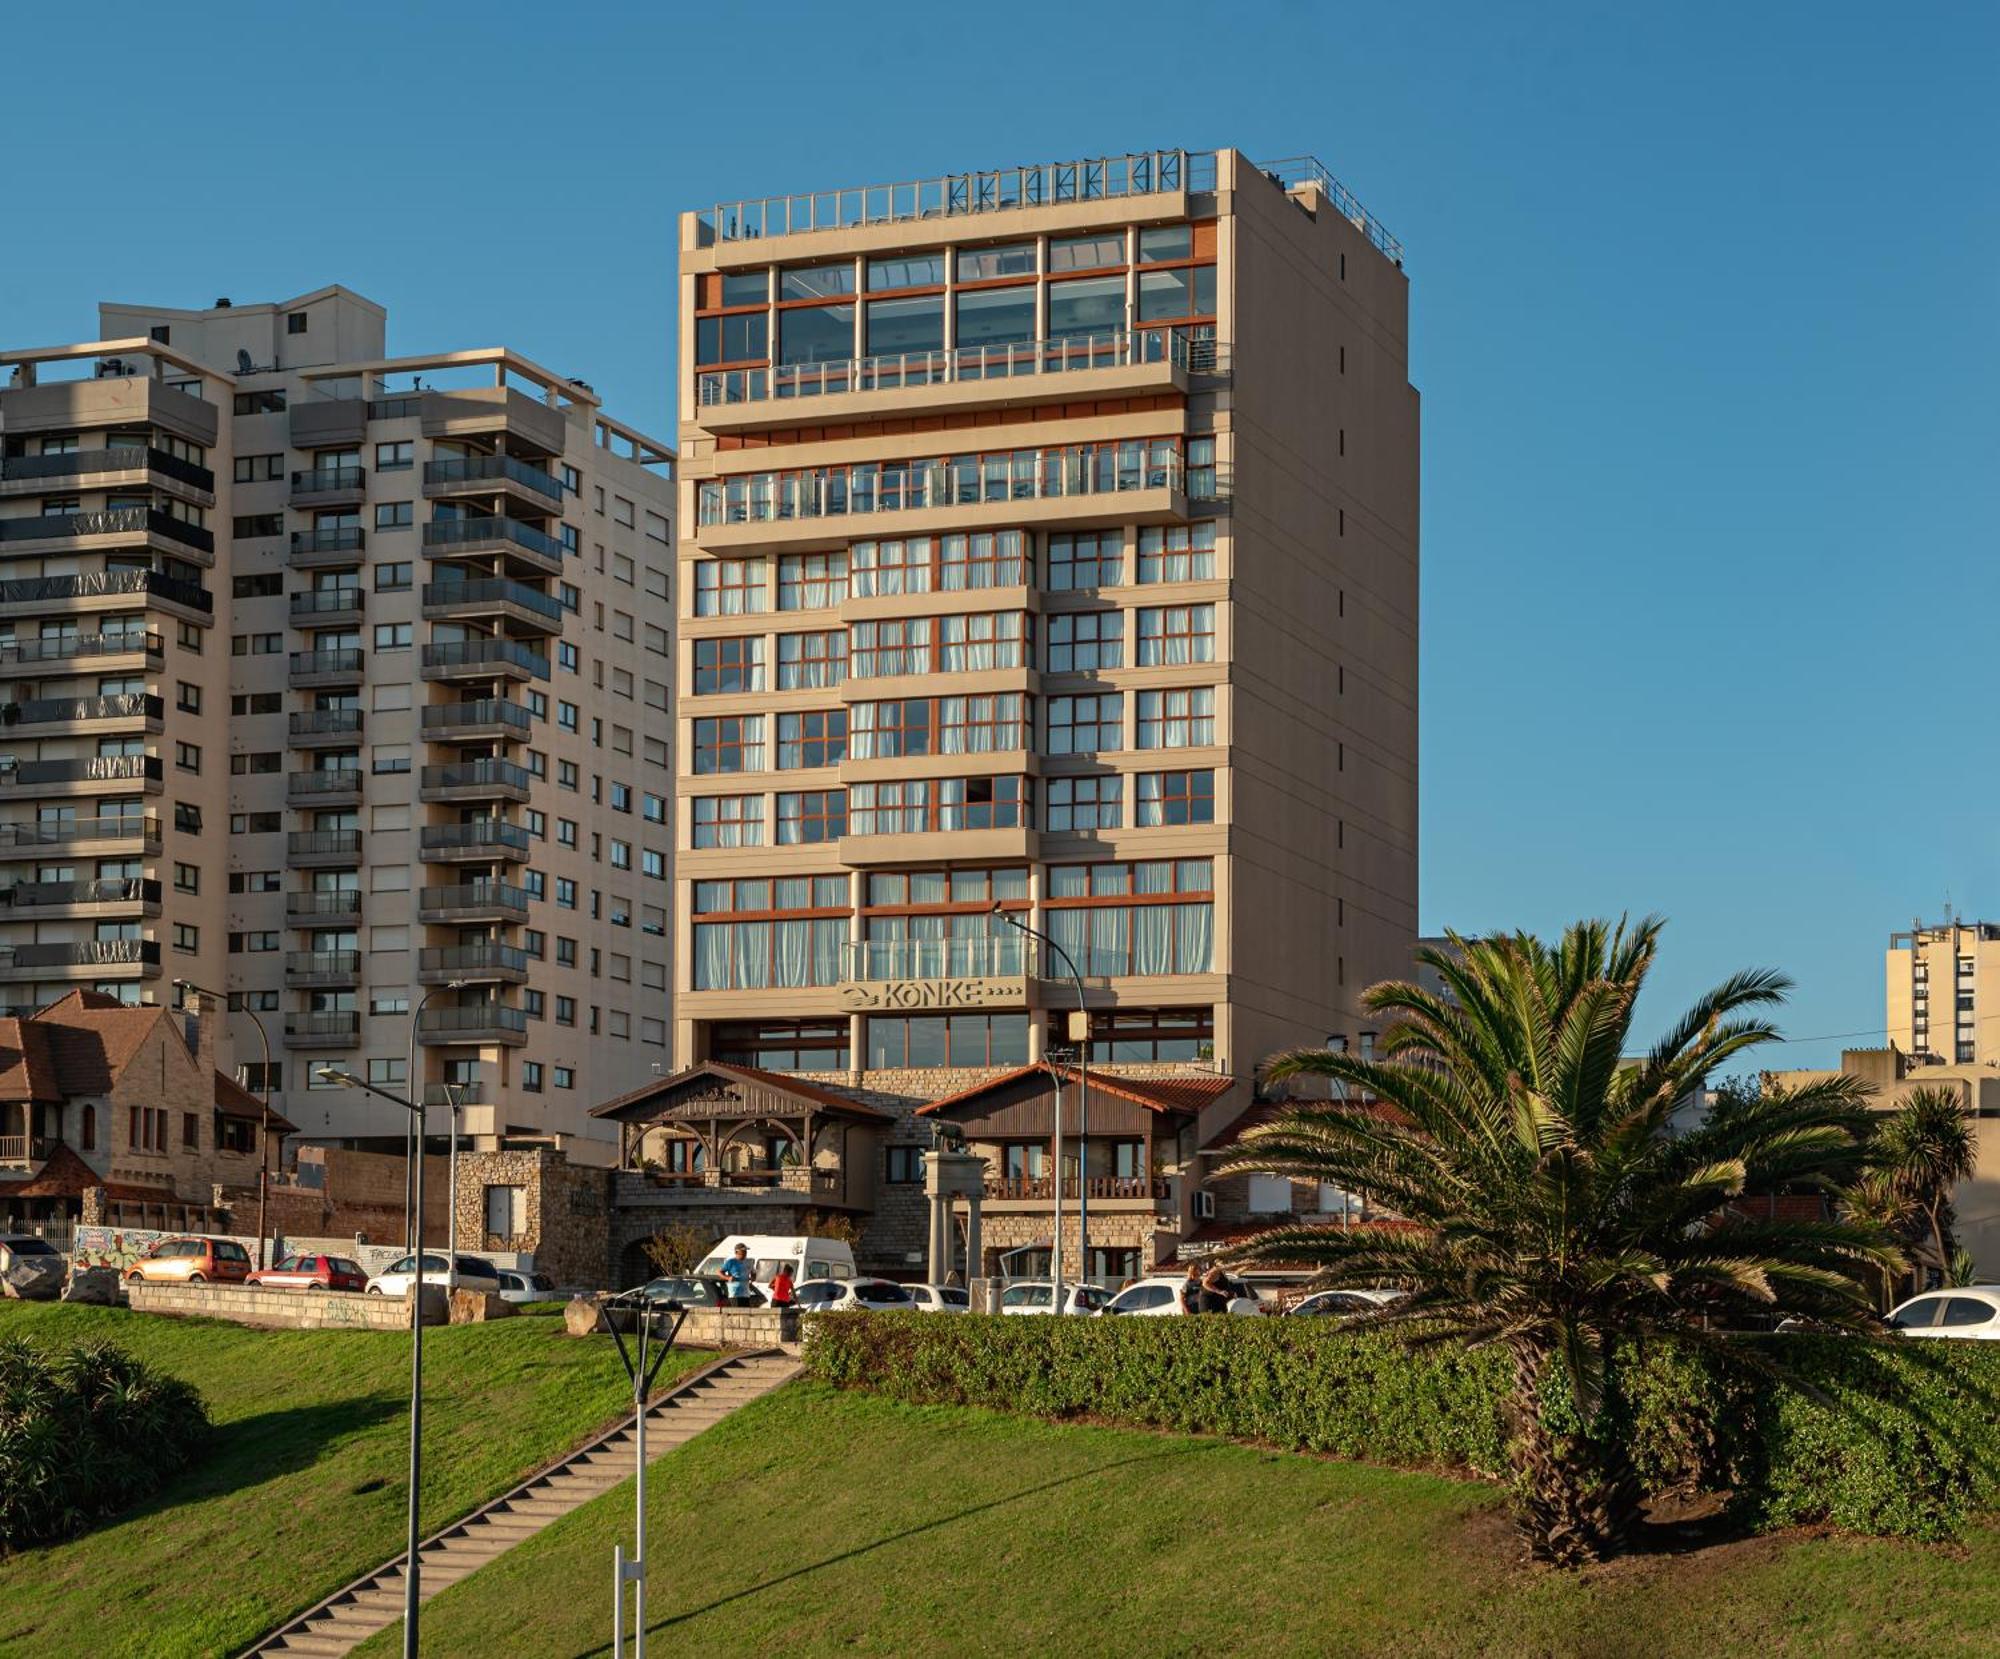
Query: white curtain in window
711, 956
1152, 939
1195, 929
1110, 941
753, 955
792, 958
829, 934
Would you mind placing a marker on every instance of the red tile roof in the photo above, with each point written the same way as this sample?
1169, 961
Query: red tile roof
64, 1175
232, 1100
777, 1081
27, 1070
1159, 1094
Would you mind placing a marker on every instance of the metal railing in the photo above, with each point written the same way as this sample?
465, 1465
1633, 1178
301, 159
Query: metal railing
347, 539
326, 780
494, 469
491, 590
108, 521
446, 1094
327, 480
490, 772
486, 1016
475, 895
961, 481
342, 660
82, 463
954, 195
1294, 171
476, 836
996, 956
485, 653
73, 647
26, 774
43, 711
303, 965
325, 722
106, 584
487, 957
340, 903
83, 953
486, 711
1096, 1186
328, 601
110, 890
337, 1023
1069, 354
461, 532
141, 829
323, 844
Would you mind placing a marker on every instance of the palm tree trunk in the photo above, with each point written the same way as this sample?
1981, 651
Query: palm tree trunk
1576, 1494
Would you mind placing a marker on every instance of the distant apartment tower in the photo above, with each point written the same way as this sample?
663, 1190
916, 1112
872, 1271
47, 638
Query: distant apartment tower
1942, 985
1049, 552
340, 683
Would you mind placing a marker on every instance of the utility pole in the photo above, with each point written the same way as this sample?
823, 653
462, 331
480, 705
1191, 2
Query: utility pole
642, 1365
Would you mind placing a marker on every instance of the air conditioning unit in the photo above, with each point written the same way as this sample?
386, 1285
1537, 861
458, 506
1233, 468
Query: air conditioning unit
1204, 1206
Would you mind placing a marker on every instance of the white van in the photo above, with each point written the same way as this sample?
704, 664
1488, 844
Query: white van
808, 1258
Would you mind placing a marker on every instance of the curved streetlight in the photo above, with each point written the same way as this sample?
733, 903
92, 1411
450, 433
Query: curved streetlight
264, 1096
413, 1149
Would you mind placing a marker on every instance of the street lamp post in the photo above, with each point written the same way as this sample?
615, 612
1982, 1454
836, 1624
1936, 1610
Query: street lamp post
264, 1098
1082, 1110
642, 1369
333, 1074
414, 1150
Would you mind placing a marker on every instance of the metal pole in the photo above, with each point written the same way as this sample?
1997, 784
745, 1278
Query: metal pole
639, 1380
618, 1601
264, 1097
410, 1581
451, 1197
1055, 1232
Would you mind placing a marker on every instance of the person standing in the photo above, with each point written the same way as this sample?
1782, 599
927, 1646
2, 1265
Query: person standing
1191, 1289
739, 1275
781, 1286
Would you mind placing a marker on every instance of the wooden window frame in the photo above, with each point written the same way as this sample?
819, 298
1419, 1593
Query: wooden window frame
737, 655
1185, 791
823, 648
1101, 785
743, 812
1061, 622
830, 813
1097, 723
1171, 706
818, 741
1169, 616
738, 743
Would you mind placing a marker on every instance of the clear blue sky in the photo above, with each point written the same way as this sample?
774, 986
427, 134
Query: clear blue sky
1704, 321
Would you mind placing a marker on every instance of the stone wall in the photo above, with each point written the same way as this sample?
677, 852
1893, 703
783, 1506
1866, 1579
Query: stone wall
294, 1310
640, 1209
565, 1213
336, 1193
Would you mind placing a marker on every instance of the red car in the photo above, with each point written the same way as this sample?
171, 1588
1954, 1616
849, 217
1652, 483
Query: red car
312, 1273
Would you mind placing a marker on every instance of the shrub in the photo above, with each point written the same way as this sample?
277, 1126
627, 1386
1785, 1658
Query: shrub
85, 1432
1897, 1438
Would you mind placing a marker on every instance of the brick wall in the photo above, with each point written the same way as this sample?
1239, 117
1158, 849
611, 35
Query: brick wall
565, 1212
295, 1310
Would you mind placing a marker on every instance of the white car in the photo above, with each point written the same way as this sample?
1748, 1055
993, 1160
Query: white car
473, 1274
939, 1298
1962, 1313
33, 1267
1343, 1304
848, 1295
1038, 1296
516, 1286
1159, 1297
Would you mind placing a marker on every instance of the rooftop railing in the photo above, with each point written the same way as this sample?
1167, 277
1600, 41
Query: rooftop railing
956, 195
1294, 171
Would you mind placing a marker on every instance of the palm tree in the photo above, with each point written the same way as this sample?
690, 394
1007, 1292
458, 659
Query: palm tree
1924, 1149
1557, 1213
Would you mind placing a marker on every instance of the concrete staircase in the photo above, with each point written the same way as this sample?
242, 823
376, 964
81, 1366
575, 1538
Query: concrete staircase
351, 1615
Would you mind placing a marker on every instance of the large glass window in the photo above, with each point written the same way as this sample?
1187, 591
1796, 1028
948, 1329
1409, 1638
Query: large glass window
904, 327
729, 743
879, 649
984, 264
1156, 917
1086, 725
1180, 718
1086, 559
996, 316
812, 816
741, 338
817, 282
927, 1040
811, 581
1177, 553
816, 737
1162, 799
1087, 253
782, 1045
983, 640
729, 587
1080, 642
914, 806
1142, 1034
1076, 805
906, 270
1086, 305
1173, 634
726, 665
728, 821
892, 730
811, 662
754, 934
816, 334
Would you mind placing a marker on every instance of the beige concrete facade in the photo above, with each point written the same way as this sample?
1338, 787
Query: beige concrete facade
1049, 541
342, 681
1941, 987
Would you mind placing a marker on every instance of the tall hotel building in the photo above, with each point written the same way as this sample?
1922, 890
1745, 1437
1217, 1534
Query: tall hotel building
1049, 547
340, 683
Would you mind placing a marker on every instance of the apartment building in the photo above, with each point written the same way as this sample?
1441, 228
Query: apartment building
1049, 555
340, 682
1941, 985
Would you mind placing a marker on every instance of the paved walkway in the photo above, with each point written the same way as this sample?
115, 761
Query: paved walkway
350, 1616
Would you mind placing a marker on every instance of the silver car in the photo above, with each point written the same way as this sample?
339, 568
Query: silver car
33, 1268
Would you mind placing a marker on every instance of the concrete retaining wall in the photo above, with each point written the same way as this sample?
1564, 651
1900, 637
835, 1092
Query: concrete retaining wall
740, 1328
289, 1310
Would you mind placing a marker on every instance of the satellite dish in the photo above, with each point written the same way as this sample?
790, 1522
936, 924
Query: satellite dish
243, 364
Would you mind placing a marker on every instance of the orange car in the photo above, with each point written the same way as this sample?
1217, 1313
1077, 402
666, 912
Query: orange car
191, 1261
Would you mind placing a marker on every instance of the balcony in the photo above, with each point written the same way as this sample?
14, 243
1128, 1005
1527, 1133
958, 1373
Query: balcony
138, 649
116, 467
326, 786
106, 590
322, 849
482, 413
57, 961
485, 962
324, 728
109, 896
339, 1029
16, 1150
486, 718
89, 774
52, 715
60, 533
1110, 1189
459, 538
329, 487
120, 833
487, 779
482, 840
473, 901
315, 549
322, 969
321, 908
454, 1094
329, 607
484, 475
490, 1022
486, 598
326, 669
760, 1184
483, 659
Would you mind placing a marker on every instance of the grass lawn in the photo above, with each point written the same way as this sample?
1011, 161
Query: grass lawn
819, 1522
305, 1486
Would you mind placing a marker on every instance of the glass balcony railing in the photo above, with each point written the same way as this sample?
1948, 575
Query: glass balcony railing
329, 480
485, 957
488, 773
339, 539
493, 590
110, 521
38, 590
86, 953
325, 722
29, 774
479, 532
339, 904
328, 602
323, 844
485, 711
87, 463
133, 829
495, 654
339, 663
494, 469
326, 780
302, 966
24, 895
66, 647
481, 835
49, 711
453, 901
488, 1016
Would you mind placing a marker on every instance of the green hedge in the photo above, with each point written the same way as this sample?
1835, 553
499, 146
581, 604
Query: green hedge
1902, 1438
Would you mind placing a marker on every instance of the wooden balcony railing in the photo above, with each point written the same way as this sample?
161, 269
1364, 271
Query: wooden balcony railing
1098, 1186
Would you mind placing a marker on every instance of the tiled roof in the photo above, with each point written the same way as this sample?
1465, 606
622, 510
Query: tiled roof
64, 1175
777, 1081
92, 1039
234, 1101
27, 1070
1159, 1094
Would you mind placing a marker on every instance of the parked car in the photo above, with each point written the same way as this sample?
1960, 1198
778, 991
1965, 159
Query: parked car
312, 1273
191, 1261
1159, 1296
1342, 1304
32, 1267
1961, 1313
474, 1273
850, 1295
1038, 1296
516, 1286
939, 1298
690, 1290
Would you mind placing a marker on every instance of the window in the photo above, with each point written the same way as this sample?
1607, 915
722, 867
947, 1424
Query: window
296, 322
567, 715
1085, 725
392, 577
187, 817
187, 878
568, 658
811, 662
394, 515
564, 1077
392, 636
187, 698
270, 402
1149, 918
902, 1164
1167, 798
1086, 560
187, 756
531, 1076
883, 649
811, 581
986, 264
187, 937
990, 639
258, 469
1087, 306
927, 1040
247, 525
388, 1072
728, 821
1174, 634
740, 337
811, 817
729, 587
782, 1045
1177, 719
1081, 642
1177, 553
1074, 805
817, 737
728, 743
769, 933
996, 316
918, 805
1087, 253
729, 665
395, 457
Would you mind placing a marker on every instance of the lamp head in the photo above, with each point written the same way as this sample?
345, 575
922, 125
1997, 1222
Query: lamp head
333, 1074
